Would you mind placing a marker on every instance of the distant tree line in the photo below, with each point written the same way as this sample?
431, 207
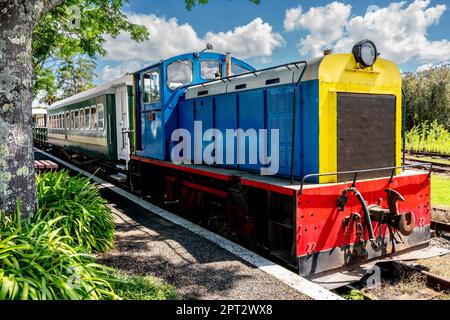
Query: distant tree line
427, 96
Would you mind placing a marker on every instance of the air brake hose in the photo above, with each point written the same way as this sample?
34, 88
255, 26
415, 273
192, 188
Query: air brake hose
367, 218
366, 214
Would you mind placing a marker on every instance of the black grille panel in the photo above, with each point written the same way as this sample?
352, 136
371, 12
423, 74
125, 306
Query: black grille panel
366, 133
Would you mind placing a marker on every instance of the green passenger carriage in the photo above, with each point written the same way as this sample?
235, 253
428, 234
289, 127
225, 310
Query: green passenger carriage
94, 122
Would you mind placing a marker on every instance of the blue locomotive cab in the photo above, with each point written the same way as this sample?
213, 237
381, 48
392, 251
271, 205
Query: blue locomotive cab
159, 87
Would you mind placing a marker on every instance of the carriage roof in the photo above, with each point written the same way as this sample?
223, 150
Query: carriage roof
106, 88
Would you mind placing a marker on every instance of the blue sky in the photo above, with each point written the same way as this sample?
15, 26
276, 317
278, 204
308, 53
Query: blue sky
412, 33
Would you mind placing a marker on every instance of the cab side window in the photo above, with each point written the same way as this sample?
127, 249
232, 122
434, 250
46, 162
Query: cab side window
179, 73
237, 69
152, 90
210, 69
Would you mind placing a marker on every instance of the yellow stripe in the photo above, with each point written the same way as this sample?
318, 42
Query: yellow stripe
338, 73
82, 139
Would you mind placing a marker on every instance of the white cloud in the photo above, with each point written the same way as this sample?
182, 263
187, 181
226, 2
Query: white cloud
168, 38
398, 30
429, 66
255, 39
292, 18
424, 67
110, 73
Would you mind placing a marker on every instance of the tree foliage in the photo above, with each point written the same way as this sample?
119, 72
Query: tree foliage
76, 28
191, 3
427, 95
75, 76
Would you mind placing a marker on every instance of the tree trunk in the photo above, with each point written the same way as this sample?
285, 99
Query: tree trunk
17, 179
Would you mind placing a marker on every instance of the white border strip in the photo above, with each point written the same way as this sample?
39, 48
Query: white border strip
286, 276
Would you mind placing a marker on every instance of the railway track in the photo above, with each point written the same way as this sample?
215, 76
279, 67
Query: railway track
438, 167
398, 281
441, 163
428, 154
440, 226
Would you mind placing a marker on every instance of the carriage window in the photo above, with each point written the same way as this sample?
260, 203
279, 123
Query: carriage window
72, 123
179, 73
86, 119
152, 90
77, 122
67, 120
237, 69
210, 69
60, 121
81, 119
100, 116
93, 118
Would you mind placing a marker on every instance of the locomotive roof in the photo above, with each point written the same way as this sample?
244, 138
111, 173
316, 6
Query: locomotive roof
100, 90
202, 55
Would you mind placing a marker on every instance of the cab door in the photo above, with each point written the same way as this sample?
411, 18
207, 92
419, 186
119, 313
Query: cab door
152, 131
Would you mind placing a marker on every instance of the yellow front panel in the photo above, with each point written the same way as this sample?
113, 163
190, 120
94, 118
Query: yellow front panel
339, 73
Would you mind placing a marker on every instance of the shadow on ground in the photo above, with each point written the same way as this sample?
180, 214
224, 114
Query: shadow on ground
149, 245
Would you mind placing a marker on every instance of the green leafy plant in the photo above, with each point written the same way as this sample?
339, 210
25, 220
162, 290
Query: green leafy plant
428, 138
36, 262
89, 221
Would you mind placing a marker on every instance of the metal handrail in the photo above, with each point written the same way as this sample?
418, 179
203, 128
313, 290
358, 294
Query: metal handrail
254, 73
355, 172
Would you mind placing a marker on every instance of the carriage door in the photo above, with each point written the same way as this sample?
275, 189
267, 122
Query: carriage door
123, 143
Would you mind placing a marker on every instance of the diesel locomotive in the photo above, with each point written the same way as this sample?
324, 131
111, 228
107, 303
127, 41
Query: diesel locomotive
326, 187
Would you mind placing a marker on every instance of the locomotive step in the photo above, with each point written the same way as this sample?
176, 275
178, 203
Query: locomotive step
119, 177
121, 167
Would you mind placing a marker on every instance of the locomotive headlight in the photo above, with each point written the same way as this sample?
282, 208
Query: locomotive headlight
365, 53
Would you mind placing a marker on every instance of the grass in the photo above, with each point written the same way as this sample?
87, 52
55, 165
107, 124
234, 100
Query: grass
132, 287
440, 191
428, 138
353, 295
